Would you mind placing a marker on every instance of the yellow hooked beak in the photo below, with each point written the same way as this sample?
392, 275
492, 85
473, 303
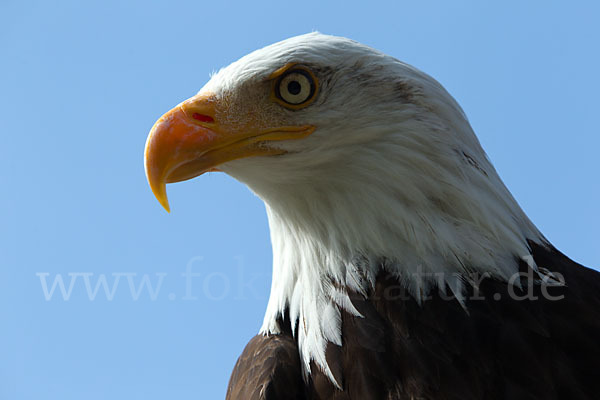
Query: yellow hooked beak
189, 141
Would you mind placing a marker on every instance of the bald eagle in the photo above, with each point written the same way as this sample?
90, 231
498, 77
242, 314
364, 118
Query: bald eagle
403, 268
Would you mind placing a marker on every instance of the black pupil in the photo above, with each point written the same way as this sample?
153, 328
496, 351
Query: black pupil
294, 87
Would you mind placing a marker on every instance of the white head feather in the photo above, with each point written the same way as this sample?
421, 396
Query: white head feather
393, 178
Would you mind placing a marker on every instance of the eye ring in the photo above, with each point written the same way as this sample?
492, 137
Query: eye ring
295, 87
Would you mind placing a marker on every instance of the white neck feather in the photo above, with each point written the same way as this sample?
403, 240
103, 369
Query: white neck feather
334, 231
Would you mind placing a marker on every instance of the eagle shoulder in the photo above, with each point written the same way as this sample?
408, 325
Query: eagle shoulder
268, 369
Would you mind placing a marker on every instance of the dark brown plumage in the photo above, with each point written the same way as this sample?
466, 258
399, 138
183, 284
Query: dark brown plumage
496, 348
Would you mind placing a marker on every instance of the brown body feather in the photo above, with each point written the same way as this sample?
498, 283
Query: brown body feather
498, 347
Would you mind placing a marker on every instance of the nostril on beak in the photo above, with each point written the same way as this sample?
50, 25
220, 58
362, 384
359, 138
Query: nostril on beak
202, 117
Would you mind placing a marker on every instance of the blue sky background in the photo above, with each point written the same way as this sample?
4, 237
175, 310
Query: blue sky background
81, 83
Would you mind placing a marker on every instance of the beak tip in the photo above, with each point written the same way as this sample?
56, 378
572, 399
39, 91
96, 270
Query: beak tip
159, 189
163, 200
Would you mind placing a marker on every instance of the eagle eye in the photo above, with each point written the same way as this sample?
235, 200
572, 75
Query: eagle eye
295, 88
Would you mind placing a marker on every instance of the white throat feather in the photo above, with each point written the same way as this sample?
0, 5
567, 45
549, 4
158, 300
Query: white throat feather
332, 229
